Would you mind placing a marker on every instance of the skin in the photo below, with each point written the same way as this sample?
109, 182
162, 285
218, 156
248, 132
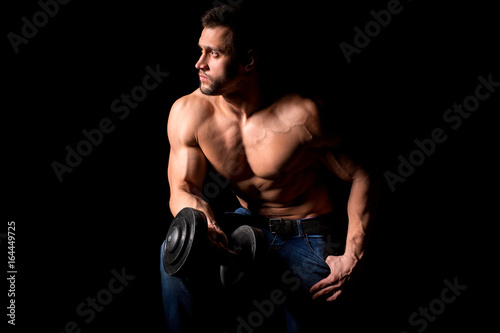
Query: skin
269, 150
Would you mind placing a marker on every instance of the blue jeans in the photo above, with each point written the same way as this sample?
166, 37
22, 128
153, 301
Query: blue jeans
277, 299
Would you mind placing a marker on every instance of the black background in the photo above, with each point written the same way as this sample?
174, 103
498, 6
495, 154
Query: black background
111, 212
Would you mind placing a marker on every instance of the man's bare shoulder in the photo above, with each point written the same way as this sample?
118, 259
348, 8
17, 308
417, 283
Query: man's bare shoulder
295, 105
187, 114
195, 104
296, 110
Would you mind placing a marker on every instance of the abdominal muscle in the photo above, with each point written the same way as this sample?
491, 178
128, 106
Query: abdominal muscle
292, 196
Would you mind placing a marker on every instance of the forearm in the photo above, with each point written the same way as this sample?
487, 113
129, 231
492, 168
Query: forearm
181, 198
361, 211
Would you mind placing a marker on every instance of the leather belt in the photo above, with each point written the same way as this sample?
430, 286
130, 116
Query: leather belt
321, 225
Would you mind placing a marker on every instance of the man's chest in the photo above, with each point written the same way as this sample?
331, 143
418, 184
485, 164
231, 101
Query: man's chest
239, 153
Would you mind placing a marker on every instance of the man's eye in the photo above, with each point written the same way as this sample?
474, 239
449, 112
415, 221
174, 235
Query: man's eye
215, 54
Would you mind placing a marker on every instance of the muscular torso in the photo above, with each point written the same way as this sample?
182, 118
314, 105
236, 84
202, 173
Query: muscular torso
267, 157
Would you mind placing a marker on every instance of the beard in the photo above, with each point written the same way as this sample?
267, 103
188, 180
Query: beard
214, 87
217, 84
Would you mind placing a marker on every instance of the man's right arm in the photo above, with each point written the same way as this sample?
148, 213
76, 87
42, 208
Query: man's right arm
187, 164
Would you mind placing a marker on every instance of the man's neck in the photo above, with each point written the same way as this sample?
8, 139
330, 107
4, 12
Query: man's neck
244, 102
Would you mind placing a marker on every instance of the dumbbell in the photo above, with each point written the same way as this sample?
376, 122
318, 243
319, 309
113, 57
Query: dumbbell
187, 246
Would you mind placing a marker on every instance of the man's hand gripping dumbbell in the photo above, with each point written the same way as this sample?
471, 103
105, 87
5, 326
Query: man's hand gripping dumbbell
189, 241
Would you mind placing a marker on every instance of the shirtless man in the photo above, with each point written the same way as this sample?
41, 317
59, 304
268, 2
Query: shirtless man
271, 152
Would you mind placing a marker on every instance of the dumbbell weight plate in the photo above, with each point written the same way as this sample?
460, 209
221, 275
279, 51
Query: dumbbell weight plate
248, 242
188, 229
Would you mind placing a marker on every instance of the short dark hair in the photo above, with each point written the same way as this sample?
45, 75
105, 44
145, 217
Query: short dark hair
237, 19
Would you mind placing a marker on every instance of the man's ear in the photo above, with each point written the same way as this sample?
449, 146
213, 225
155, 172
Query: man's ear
250, 60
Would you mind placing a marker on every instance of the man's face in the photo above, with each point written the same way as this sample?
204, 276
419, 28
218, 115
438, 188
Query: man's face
217, 66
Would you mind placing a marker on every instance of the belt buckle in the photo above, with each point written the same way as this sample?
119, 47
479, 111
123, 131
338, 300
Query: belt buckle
271, 224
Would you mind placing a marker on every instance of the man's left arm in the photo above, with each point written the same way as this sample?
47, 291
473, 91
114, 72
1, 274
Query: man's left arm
360, 209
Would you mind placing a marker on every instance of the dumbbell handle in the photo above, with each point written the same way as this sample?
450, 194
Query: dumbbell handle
224, 255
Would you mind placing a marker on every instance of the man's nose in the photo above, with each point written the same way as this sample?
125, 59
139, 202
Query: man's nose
201, 64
